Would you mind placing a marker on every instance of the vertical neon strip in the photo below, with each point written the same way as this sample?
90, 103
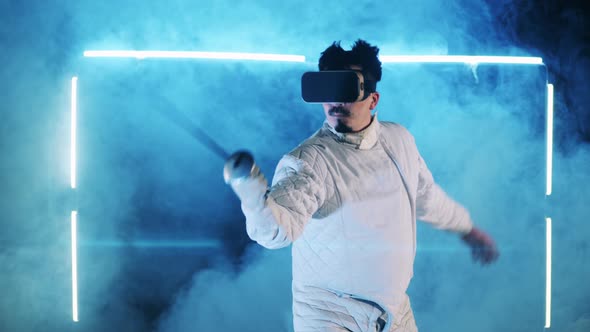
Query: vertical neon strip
548, 281
73, 124
549, 189
74, 214
74, 220
549, 139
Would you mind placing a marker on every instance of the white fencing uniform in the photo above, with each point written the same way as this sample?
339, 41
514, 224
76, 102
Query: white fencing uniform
348, 203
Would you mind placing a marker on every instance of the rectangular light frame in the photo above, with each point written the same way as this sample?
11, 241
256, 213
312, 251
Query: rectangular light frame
471, 60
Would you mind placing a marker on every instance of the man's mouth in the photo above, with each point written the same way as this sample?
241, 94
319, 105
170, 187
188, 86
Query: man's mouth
339, 112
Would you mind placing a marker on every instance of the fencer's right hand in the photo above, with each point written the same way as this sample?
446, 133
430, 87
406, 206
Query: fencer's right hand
246, 180
238, 165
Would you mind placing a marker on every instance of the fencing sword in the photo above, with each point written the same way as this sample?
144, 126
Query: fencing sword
239, 164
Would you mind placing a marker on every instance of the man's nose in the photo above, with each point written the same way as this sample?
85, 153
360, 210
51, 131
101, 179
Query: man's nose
335, 104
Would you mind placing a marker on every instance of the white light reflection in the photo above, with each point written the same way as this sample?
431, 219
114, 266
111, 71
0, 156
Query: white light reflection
195, 55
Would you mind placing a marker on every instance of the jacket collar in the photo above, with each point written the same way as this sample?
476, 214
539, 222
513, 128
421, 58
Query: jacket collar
362, 140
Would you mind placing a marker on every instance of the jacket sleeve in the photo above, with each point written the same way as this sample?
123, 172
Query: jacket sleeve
295, 195
434, 206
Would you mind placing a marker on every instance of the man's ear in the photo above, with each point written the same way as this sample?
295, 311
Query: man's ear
374, 100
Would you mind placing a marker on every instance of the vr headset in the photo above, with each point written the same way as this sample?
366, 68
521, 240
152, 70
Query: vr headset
336, 86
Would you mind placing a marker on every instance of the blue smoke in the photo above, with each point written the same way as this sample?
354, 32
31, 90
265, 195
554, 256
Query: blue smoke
162, 241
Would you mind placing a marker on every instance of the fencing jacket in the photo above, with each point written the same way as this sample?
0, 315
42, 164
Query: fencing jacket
348, 204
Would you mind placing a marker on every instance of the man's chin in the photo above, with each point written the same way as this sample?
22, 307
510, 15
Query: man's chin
341, 127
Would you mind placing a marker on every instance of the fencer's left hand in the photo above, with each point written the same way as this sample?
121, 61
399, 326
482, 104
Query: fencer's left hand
483, 247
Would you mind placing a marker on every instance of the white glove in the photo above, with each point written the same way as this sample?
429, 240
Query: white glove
245, 178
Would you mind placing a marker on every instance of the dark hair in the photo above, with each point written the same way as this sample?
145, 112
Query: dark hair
362, 54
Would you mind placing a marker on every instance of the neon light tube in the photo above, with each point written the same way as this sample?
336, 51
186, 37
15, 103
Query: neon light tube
460, 59
73, 124
212, 244
195, 55
74, 217
549, 167
548, 276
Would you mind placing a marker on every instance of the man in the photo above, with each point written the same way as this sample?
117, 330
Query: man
347, 199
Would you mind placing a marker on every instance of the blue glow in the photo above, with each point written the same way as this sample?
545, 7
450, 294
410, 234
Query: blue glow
74, 220
549, 168
73, 121
548, 276
213, 244
194, 55
460, 59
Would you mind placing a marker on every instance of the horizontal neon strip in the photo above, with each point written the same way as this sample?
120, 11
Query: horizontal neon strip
154, 244
460, 59
195, 55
